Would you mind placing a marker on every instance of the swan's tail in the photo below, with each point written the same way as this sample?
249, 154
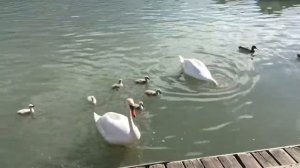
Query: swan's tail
96, 117
181, 59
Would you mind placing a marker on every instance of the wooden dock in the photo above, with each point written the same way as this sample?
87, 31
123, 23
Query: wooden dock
282, 157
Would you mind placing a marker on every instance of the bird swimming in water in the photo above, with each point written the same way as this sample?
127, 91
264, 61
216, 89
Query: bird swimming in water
153, 92
247, 50
118, 129
30, 110
298, 55
140, 106
197, 69
92, 99
118, 85
143, 80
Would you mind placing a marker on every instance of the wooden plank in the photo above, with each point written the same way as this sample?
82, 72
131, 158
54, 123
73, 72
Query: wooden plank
157, 166
265, 159
229, 161
211, 162
294, 152
288, 166
193, 163
248, 160
282, 157
176, 164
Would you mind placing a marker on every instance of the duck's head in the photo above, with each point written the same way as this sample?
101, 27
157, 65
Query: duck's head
30, 105
253, 48
158, 91
147, 78
120, 81
141, 104
130, 102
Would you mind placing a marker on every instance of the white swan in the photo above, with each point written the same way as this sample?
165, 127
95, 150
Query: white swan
196, 69
27, 111
118, 129
92, 99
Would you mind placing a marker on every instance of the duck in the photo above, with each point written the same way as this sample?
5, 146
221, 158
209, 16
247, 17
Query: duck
118, 85
153, 92
139, 106
92, 99
118, 129
143, 80
28, 110
298, 55
197, 69
247, 50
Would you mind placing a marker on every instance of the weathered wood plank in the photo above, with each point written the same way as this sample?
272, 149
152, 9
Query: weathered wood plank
288, 166
248, 160
193, 163
211, 162
157, 166
294, 152
265, 159
282, 157
176, 164
229, 161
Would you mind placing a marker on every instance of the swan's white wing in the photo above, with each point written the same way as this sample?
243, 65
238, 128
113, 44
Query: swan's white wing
203, 69
196, 69
114, 128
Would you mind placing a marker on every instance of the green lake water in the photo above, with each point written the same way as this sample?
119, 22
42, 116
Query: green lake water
55, 54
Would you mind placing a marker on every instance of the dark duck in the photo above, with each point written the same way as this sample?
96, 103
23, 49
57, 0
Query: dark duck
247, 50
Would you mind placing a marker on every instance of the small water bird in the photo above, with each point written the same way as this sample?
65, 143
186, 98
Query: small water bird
247, 50
298, 55
118, 129
30, 110
196, 69
139, 106
118, 85
143, 80
92, 99
153, 92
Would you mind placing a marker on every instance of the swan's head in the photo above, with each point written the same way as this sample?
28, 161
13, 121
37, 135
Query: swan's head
130, 102
120, 81
30, 105
158, 91
147, 78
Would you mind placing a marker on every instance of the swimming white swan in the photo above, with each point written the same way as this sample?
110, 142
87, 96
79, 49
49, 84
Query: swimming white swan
92, 99
27, 111
118, 129
196, 69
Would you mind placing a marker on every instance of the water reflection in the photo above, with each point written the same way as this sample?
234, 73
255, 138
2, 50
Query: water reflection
275, 6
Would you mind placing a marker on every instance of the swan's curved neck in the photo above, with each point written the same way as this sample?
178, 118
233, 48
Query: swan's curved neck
130, 121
